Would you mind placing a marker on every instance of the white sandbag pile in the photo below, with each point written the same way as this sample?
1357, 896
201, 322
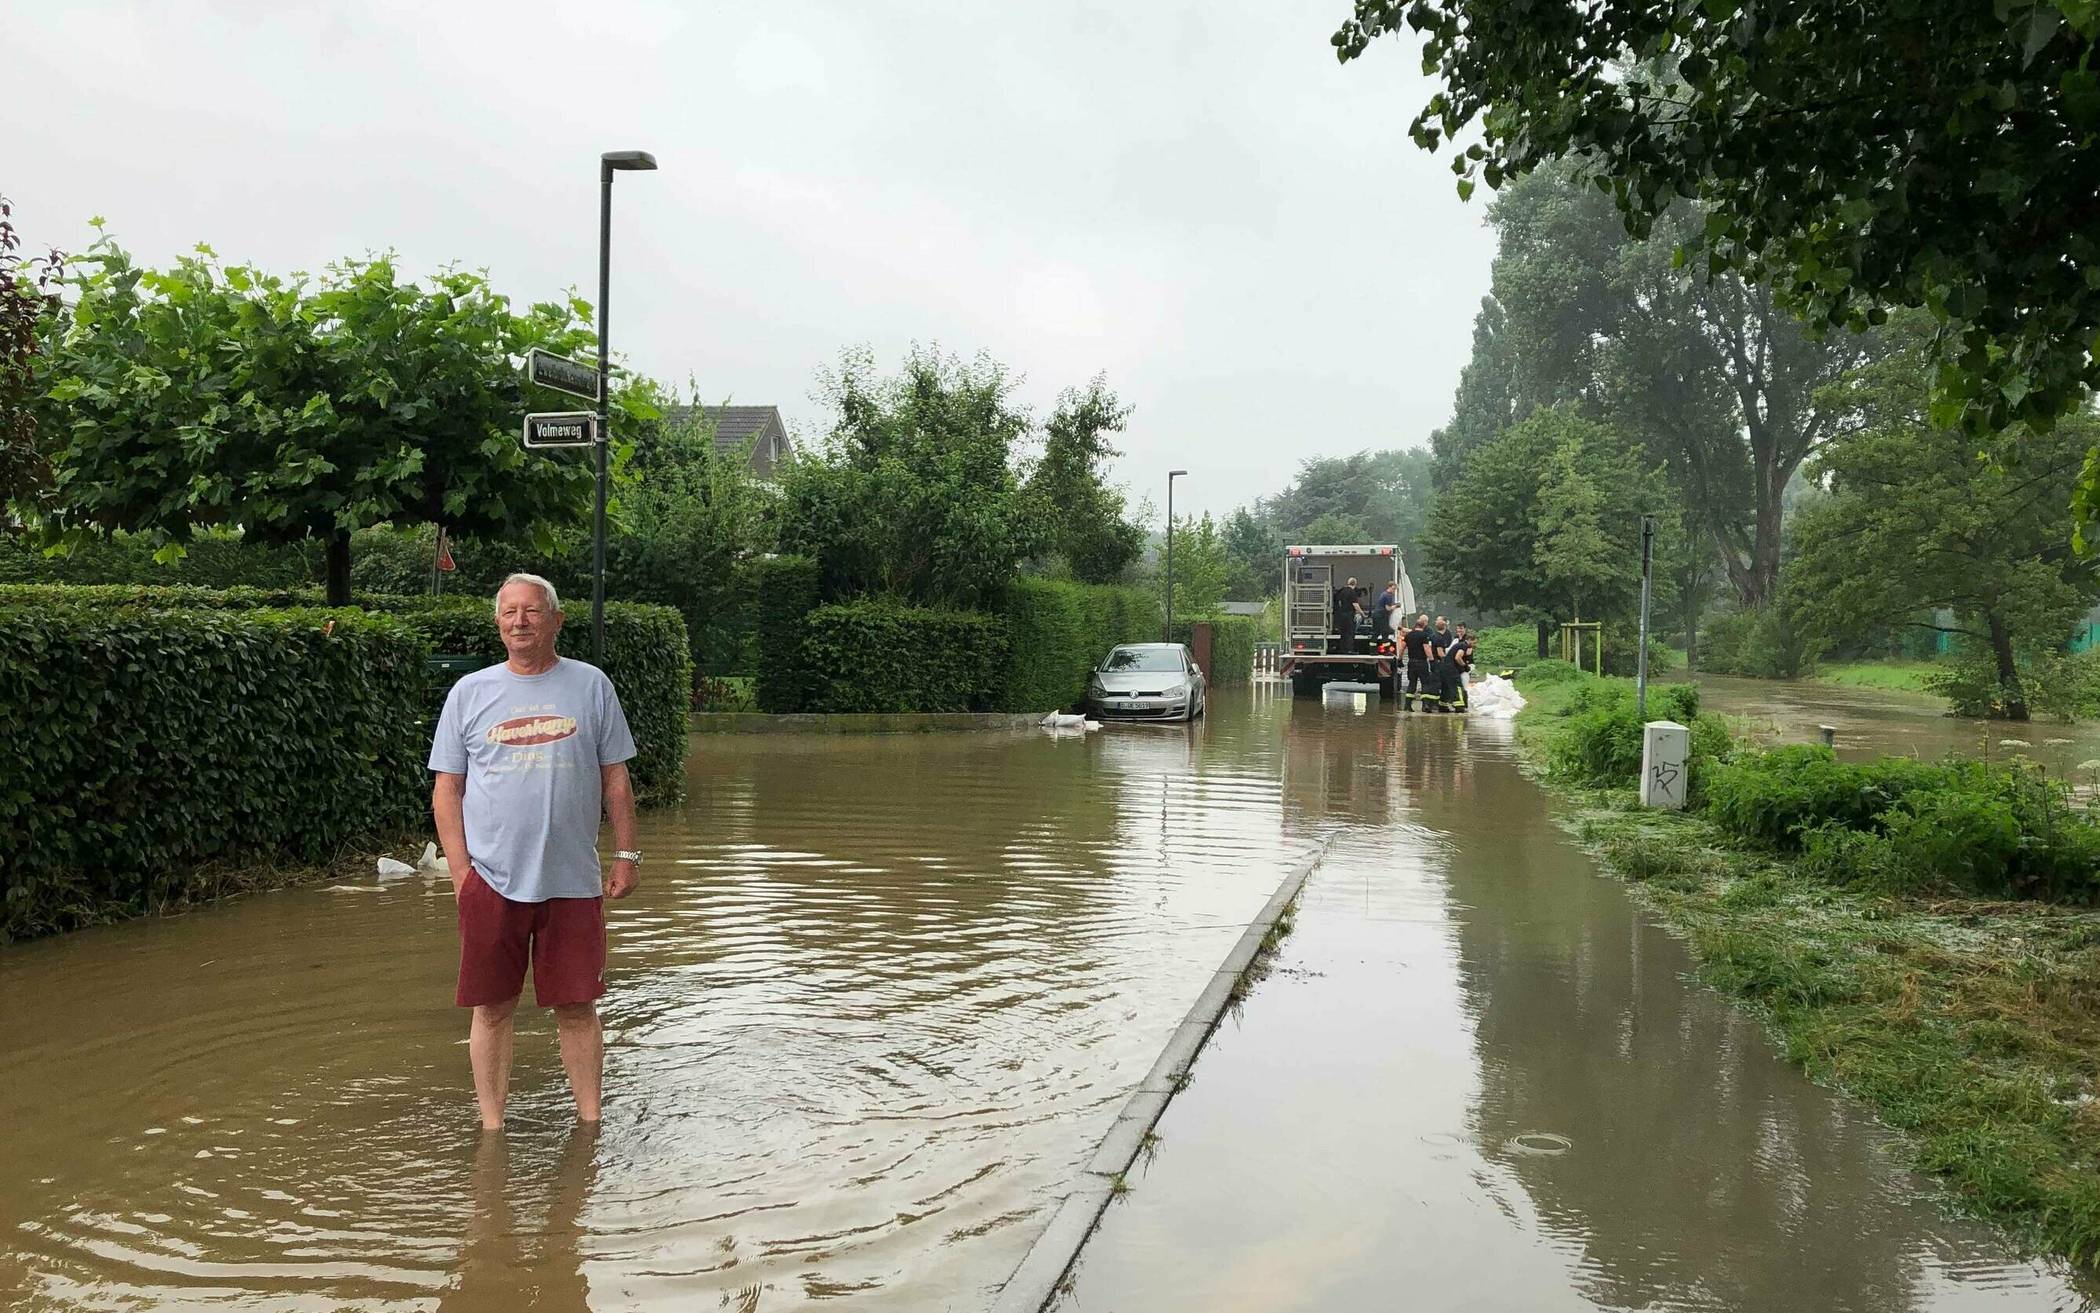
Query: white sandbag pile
1493, 697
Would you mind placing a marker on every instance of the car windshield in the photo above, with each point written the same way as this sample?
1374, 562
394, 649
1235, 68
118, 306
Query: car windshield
1143, 658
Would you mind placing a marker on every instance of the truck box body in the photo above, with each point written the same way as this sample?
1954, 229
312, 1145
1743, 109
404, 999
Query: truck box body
1311, 644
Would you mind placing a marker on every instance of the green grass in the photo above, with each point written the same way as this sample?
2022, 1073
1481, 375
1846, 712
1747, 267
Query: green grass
1900, 675
1973, 1027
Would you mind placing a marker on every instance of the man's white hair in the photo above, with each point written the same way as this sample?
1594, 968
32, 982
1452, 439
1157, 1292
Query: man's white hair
553, 598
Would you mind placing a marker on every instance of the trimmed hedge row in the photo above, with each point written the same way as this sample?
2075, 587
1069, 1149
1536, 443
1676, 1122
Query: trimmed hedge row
883, 656
1060, 631
1232, 640
786, 587
646, 655
148, 747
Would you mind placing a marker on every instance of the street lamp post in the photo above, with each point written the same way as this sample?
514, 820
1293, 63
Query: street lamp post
1172, 475
611, 162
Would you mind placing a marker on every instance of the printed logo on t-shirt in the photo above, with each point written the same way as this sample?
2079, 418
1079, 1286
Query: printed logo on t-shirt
527, 731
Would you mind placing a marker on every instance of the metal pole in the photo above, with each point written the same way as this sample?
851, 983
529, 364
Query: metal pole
605, 181
1640, 678
1168, 635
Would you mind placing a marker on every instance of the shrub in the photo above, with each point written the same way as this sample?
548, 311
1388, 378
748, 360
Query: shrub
1766, 643
1058, 632
1545, 674
1601, 741
216, 559
786, 587
150, 748
1232, 640
643, 672
1507, 647
884, 656
1770, 798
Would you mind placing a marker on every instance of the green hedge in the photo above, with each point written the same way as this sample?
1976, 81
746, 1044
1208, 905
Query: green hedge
1232, 640
646, 655
786, 590
148, 750
884, 656
1060, 631
215, 560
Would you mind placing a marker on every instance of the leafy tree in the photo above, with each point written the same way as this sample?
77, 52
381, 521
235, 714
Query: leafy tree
1916, 521
1202, 566
1084, 519
914, 492
1717, 381
1544, 523
689, 515
1254, 547
1890, 153
28, 302
209, 395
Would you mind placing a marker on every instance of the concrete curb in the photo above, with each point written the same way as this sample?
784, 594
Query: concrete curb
1037, 1281
759, 722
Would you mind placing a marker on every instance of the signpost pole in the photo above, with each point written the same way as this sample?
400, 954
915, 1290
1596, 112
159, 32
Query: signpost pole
1640, 682
605, 181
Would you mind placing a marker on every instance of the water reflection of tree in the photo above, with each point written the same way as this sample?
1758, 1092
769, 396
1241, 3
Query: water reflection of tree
1703, 1171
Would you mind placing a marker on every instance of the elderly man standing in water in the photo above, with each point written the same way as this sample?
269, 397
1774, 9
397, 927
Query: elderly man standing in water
529, 755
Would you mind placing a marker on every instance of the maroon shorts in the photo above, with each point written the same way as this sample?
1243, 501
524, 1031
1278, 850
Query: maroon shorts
563, 939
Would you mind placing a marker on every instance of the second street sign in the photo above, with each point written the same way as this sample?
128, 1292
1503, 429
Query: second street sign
569, 428
562, 374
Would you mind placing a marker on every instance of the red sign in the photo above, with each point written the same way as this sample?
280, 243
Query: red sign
445, 561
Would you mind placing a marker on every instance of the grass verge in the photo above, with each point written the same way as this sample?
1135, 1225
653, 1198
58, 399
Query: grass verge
1971, 1026
1900, 676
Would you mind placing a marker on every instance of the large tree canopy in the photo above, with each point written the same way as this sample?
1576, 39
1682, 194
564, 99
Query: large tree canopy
1544, 523
209, 395
28, 300
1916, 522
1930, 153
1718, 382
1084, 517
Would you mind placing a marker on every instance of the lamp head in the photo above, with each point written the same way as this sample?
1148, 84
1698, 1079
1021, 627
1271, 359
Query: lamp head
627, 159
1175, 474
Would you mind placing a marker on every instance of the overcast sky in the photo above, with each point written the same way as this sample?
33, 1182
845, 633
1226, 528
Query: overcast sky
1192, 197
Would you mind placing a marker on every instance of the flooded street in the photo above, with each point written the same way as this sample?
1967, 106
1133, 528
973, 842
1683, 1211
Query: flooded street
875, 1004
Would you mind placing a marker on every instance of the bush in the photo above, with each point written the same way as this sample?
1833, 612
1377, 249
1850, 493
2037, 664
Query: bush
786, 587
150, 748
1058, 632
1769, 799
1547, 674
1507, 647
1600, 743
1766, 643
885, 656
643, 671
217, 559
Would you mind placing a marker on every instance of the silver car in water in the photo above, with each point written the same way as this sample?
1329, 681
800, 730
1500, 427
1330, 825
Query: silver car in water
1148, 681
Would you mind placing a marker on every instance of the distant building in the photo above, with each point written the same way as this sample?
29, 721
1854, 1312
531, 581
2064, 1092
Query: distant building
757, 429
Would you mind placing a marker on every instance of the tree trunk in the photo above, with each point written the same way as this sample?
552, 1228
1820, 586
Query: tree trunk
1545, 629
339, 568
2008, 676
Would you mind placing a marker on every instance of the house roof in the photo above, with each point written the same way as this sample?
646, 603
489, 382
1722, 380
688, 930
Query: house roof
759, 426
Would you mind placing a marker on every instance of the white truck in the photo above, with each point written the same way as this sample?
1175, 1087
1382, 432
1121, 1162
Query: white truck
1314, 650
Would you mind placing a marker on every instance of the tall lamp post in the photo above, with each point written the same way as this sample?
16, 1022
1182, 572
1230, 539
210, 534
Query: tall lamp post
611, 162
1168, 635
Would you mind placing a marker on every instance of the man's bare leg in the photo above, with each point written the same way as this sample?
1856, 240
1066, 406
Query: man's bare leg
582, 1054
489, 1045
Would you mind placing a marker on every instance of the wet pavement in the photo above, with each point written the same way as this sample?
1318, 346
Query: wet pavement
1477, 1079
874, 1006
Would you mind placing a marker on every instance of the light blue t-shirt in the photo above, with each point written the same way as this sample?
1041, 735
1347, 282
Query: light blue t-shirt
531, 747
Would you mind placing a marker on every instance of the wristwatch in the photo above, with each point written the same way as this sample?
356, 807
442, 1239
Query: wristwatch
627, 855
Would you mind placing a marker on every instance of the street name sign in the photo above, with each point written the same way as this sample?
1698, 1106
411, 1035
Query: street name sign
564, 428
562, 374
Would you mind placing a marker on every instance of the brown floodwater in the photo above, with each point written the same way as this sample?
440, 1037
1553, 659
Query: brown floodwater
1884, 722
872, 1009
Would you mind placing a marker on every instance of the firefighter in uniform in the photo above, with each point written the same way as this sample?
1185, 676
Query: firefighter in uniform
1415, 643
